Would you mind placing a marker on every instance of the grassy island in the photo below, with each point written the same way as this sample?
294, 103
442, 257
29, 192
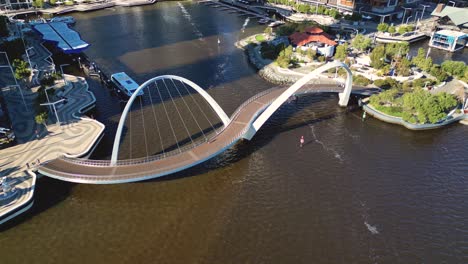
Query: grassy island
416, 107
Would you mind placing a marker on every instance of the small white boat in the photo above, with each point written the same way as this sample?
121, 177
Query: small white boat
125, 84
276, 23
263, 21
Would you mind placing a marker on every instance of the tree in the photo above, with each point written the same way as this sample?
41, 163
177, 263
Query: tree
404, 67
402, 30
361, 42
437, 72
38, 3
311, 53
391, 30
382, 27
377, 57
397, 48
4, 26
22, 71
341, 52
454, 68
41, 118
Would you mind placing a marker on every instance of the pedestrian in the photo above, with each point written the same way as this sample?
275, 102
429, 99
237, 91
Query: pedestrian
38, 161
37, 134
27, 165
301, 141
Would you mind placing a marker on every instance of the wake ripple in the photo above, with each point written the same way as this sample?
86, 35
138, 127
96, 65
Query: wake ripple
187, 16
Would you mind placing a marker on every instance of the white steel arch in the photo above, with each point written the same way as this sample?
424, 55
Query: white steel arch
344, 96
218, 110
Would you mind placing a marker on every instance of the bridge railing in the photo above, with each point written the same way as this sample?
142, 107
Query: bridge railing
251, 99
128, 162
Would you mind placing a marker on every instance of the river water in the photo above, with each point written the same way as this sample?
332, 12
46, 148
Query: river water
358, 191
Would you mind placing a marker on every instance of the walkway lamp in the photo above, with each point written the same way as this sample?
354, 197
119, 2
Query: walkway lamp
424, 8
63, 75
29, 60
404, 14
16, 82
408, 19
360, 9
55, 109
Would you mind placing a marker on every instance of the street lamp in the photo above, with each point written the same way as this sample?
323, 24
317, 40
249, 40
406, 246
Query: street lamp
29, 60
424, 8
55, 110
63, 75
416, 16
16, 82
47, 96
408, 19
360, 9
79, 61
404, 14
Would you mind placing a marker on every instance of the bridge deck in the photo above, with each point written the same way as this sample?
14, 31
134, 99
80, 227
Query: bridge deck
75, 170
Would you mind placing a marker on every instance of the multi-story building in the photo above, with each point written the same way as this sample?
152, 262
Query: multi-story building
6, 5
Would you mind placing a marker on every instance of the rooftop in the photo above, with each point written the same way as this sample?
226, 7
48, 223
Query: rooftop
459, 16
66, 39
451, 33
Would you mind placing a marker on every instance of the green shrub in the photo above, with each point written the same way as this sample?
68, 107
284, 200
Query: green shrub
361, 80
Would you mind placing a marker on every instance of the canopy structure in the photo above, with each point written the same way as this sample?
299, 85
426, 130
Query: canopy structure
66, 39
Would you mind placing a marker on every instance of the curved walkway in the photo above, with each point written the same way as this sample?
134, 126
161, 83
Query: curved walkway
102, 172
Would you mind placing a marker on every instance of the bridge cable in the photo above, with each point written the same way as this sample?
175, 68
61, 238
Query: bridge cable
157, 125
130, 132
199, 107
186, 129
191, 113
167, 114
144, 128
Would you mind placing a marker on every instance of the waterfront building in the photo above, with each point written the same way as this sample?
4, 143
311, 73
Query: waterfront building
8, 5
449, 17
314, 38
449, 40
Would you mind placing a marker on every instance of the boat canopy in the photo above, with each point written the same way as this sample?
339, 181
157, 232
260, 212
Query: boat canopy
68, 40
125, 81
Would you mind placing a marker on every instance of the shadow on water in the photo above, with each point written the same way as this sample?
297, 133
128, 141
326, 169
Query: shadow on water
264, 136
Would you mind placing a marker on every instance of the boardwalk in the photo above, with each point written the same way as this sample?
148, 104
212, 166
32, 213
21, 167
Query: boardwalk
101, 172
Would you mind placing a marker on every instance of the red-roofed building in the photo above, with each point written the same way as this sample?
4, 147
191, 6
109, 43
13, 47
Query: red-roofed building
314, 38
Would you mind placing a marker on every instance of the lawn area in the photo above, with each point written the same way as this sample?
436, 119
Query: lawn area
260, 38
390, 110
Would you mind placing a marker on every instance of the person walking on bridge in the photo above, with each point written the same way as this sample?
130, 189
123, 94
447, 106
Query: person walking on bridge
301, 141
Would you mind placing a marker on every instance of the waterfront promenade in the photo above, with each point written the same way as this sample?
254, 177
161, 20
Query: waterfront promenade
76, 136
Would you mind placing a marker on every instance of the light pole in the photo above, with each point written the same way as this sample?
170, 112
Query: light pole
360, 9
16, 82
55, 110
79, 61
316, 9
408, 19
452, 2
424, 8
29, 60
63, 75
416, 16
404, 14
47, 96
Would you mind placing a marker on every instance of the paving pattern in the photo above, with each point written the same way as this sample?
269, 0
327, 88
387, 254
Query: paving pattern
74, 137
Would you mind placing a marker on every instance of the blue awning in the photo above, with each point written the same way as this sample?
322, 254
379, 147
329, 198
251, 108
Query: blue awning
68, 40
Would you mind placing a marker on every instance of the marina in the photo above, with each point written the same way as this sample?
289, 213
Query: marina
319, 183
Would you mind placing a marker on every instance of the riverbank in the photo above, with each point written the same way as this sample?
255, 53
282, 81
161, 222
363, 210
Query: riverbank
399, 121
271, 72
82, 7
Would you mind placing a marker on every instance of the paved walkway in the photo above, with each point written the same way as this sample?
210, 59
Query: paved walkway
75, 137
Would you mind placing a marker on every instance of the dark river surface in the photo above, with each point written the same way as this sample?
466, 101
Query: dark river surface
358, 191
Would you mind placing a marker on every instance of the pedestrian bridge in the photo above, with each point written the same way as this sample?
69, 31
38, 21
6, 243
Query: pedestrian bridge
243, 124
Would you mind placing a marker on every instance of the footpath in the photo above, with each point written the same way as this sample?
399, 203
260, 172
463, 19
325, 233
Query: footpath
75, 136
